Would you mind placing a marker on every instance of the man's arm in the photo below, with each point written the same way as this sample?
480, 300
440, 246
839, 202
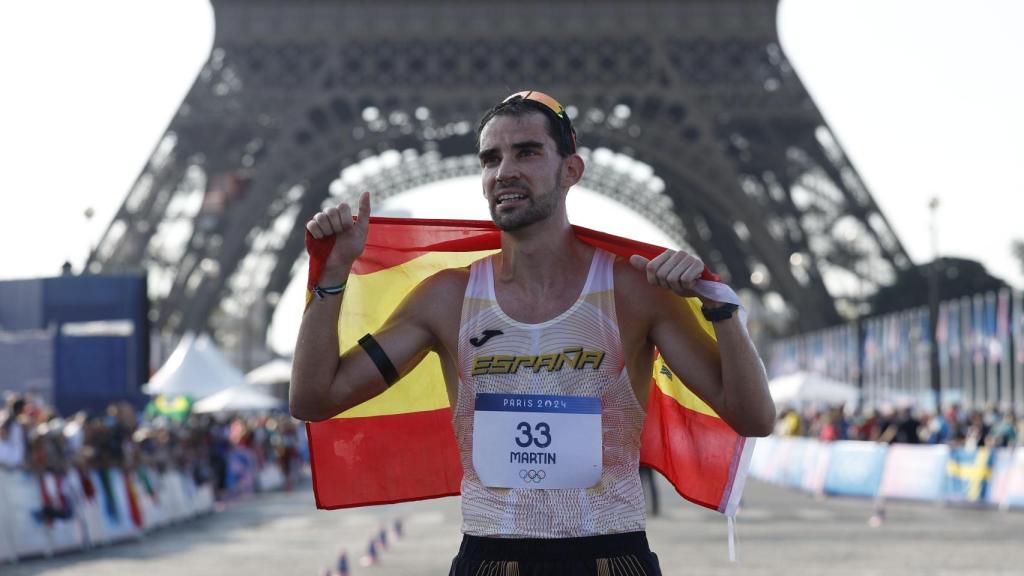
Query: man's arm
732, 381
324, 384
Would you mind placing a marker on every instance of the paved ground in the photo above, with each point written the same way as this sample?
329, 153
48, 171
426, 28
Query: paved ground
781, 532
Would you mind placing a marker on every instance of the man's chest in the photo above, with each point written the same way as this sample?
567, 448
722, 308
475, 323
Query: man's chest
538, 308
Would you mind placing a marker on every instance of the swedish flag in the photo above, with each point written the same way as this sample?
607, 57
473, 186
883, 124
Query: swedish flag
968, 474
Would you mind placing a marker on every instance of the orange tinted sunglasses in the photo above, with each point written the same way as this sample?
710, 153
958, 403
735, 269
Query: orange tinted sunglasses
540, 97
551, 104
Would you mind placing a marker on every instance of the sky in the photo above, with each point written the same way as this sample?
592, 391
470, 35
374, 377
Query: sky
924, 96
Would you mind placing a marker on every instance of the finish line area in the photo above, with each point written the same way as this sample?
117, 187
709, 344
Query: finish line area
779, 530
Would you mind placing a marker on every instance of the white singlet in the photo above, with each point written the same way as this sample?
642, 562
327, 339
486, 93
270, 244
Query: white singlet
616, 503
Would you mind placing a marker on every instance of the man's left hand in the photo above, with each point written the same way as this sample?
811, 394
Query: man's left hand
672, 270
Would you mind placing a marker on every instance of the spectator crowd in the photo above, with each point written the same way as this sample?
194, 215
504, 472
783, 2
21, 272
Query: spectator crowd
956, 426
227, 450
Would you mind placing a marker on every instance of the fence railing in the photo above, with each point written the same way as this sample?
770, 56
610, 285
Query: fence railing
934, 473
49, 513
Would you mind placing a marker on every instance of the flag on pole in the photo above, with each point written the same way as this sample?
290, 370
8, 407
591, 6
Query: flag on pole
993, 307
1003, 356
400, 445
1017, 335
953, 321
1018, 326
978, 329
852, 357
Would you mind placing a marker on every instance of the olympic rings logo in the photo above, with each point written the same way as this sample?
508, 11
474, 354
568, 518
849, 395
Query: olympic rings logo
534, 476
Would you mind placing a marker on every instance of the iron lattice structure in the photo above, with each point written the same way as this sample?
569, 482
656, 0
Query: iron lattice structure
724, 149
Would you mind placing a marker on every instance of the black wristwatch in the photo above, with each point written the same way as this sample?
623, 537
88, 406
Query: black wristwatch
723, 312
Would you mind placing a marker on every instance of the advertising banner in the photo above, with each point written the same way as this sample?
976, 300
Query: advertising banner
855, 468
761, 461
816, 466
914, 472
1012, 489
793, 467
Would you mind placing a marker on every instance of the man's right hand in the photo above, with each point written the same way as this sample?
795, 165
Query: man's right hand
350, 236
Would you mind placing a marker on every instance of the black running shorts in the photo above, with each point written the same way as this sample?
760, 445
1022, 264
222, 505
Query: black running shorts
607, 555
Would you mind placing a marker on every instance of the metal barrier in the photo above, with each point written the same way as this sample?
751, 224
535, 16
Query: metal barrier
936, 473
47, 514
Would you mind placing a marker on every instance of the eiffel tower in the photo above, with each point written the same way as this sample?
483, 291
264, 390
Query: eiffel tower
738, 164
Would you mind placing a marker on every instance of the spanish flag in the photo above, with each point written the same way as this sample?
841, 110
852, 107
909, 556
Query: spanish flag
400, 446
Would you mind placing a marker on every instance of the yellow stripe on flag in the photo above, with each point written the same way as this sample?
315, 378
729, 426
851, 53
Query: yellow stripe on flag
670, 384
369, 301
410, 453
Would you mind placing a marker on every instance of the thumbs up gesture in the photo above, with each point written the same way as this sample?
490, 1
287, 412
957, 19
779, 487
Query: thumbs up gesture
349, 233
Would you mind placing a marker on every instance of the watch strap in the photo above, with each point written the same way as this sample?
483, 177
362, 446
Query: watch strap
723, 312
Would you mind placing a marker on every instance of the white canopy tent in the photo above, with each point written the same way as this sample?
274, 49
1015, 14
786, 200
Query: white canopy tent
808, 388
277, 371
196, 368
241, 398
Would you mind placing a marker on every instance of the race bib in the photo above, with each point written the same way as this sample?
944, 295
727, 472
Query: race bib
537, 441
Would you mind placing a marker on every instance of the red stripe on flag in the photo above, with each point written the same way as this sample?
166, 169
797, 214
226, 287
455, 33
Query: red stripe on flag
384, 459
393, 241
696, 452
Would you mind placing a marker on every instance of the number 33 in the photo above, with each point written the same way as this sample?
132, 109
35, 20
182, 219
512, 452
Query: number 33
542, 429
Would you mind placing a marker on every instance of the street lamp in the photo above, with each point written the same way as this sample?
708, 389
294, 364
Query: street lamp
933, 306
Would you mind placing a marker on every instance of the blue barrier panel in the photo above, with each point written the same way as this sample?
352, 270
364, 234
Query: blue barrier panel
87, 507
241, 472
855, 468
26, 518
146, 486
968, 475
915, 472
793, 468
269, 478
777, 464
761, 460
1013, 494
175, 498
816, 459
63, 530
7, 551
116, 506
1002, 463
48, 514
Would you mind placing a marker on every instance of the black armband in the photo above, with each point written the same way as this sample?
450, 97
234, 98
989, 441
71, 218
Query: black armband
380, 359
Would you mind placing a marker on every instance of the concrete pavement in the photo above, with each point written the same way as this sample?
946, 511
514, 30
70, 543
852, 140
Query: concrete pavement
780, 532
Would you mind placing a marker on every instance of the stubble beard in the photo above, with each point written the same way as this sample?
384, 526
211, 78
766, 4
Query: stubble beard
537, 209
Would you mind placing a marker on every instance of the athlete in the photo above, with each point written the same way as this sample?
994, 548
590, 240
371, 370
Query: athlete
592, 320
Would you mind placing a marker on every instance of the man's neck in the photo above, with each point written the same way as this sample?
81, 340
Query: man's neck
542, 258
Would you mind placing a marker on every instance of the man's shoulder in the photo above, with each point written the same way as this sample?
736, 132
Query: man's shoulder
444, 287
436, 302
632, 287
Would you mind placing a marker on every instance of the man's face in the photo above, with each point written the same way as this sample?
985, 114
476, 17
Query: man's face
521, 170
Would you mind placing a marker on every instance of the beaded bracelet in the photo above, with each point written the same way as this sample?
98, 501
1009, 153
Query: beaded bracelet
322, 291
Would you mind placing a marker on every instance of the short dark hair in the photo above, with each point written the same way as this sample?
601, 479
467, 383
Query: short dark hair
559, 128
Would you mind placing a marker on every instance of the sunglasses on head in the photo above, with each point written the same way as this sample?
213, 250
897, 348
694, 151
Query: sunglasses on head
551, 104
540, 97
